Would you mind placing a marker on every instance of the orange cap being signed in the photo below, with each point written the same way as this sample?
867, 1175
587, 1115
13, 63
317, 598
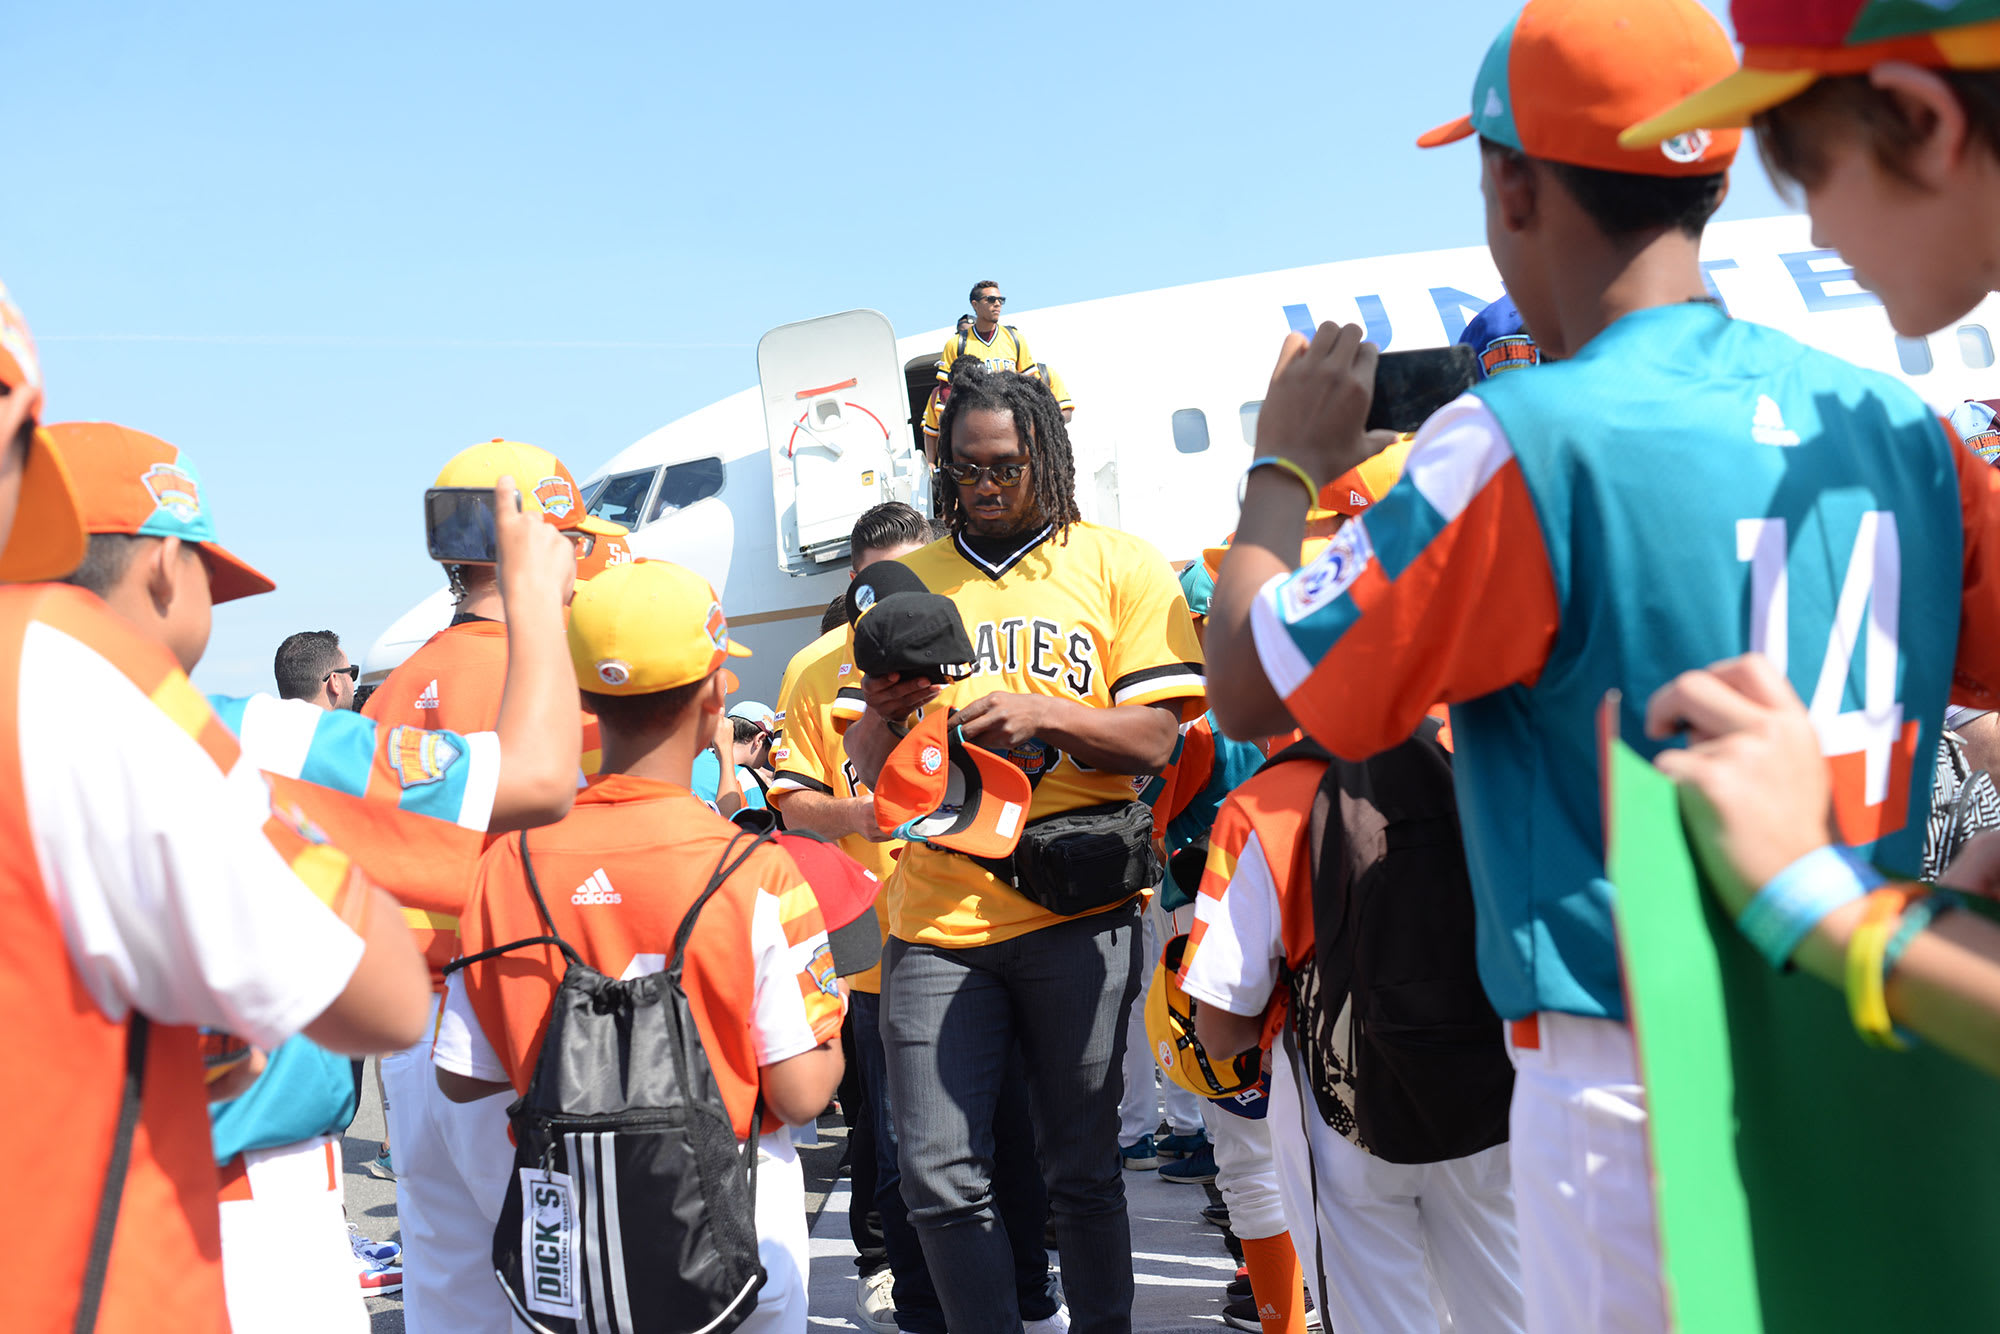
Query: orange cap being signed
934, 788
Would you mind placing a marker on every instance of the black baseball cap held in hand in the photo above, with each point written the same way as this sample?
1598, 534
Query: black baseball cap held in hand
885, 578
915, 634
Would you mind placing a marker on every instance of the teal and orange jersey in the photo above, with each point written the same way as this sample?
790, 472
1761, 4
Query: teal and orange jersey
1687, 488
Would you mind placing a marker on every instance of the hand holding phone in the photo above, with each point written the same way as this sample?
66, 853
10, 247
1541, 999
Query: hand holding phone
1315, 412
1410, 386
459, 523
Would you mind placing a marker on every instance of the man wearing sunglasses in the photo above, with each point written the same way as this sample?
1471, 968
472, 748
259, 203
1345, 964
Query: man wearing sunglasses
999, 347
1085, 665
312, 666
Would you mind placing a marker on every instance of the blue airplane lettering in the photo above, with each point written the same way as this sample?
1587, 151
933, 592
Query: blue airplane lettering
1812, 282
1374, 319
1453, 307
1709, 267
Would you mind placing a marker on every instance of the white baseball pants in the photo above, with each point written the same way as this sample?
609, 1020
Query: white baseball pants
1583, 1191
453, 1161
287, 1267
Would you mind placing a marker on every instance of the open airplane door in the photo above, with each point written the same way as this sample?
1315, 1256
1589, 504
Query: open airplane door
836, 418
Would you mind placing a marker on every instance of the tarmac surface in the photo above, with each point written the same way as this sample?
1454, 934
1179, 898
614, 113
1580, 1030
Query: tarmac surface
1179, 1262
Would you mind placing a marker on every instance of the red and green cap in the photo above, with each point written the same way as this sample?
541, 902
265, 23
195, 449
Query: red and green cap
1787, 44
1566, 77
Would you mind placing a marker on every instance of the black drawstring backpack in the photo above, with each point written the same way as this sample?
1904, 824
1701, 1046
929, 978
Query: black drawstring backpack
631, 1207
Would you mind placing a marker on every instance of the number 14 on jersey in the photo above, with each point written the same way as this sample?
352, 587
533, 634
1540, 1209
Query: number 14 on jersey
1870, 750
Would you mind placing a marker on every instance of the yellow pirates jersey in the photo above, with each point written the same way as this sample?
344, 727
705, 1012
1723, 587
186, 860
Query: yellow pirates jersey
820, 696
934, 410
1007, 352
1097, 619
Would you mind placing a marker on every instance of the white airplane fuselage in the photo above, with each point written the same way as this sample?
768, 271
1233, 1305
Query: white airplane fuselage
1166, 385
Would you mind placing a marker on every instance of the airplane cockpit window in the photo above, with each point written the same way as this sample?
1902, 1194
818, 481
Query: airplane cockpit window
1248, 412
1975, 346
684, 484
1190, 430
1914, 355
621, 497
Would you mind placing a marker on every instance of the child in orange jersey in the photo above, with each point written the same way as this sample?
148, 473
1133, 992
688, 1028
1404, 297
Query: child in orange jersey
139, 905
648, 642
448, 1195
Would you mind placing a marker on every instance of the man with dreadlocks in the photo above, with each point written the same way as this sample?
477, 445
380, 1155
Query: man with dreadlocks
1087, 664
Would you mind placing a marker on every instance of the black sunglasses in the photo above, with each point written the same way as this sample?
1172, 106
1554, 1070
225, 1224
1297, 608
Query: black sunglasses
352, 672
971, 474
996, 300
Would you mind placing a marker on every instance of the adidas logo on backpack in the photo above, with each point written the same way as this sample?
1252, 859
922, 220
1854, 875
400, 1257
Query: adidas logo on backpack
429, 699
631, 1205
597, 889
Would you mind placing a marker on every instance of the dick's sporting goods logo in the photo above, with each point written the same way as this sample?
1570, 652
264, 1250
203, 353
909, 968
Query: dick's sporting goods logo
548, 1243
597, 889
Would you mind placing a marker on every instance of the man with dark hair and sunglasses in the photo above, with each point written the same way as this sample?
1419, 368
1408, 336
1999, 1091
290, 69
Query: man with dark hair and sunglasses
1085, 665
312, 666
997, 346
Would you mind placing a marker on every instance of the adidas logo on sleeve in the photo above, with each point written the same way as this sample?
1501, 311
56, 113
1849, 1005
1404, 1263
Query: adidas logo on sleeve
429, 699
597, 889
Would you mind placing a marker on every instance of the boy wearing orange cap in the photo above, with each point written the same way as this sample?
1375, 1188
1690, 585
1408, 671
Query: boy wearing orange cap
648, 642
1674, 487
140, 904
154, 560
449, 1182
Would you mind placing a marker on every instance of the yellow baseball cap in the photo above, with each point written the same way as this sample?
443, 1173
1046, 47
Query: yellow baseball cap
649, 626
47, 540
547, 487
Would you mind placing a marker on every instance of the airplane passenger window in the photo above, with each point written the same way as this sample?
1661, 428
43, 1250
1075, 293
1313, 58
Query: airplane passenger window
622, 497
1190, 430
1914, 355
1975, 346
684, 484
1248, 412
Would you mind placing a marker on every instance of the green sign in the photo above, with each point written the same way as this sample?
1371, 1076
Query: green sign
1805, 1183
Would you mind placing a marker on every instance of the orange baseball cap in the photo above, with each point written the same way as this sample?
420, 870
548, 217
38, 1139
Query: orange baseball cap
547, 486
645, 627
934, 788
47, 540
131, 482
597, 554
1566, 77
1787, 44
1366, 482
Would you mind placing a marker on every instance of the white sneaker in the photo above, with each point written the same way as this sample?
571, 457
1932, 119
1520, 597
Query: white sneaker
1055, 1324
875, 1303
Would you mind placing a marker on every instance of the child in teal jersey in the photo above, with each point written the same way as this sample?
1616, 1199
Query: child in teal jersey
1674, 488
1887, 117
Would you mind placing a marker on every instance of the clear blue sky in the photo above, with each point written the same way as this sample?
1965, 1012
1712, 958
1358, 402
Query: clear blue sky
322, 248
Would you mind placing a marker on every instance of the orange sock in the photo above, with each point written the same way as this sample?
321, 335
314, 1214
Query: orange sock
1277, 1282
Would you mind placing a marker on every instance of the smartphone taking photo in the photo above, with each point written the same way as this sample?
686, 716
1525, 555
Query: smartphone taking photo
1410, 386
459, 525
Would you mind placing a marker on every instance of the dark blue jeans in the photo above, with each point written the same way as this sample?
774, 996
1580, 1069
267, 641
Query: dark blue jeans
1017, 1188
952, 1020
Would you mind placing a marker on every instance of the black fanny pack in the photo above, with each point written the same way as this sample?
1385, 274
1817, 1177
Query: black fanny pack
1087, 858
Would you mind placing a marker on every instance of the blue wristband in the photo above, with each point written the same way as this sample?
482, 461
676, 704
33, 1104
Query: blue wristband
1799, 897
1916, 920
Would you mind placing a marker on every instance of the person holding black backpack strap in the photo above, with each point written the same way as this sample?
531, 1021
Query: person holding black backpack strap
603, 901
1336, 898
